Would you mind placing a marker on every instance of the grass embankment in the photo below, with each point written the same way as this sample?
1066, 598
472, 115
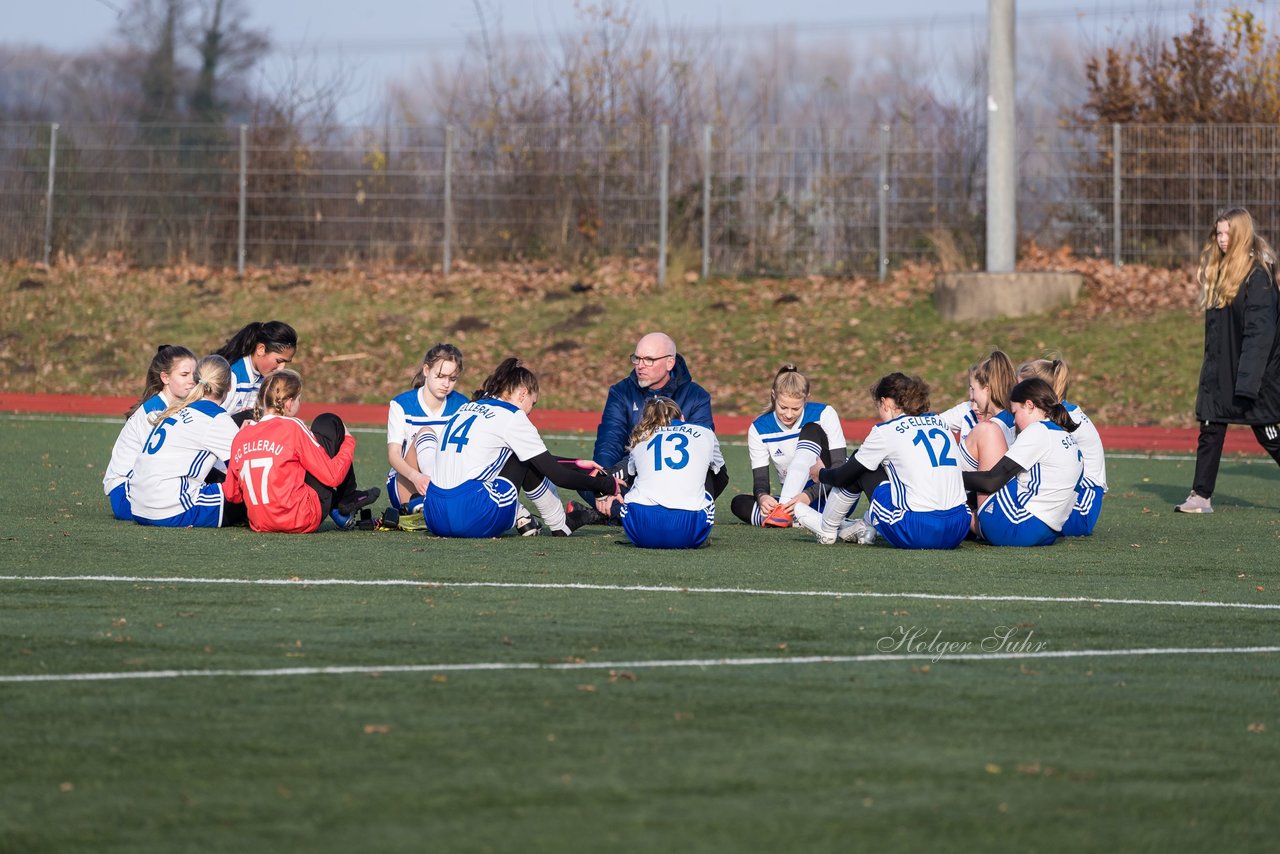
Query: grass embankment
1133, 340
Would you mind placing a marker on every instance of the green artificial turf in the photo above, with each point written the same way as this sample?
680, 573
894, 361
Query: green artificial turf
597, 749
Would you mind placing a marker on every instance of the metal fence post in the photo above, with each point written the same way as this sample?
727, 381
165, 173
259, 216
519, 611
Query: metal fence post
884, 202
48, 196
706, 201
664, 165
448, 199
244, 202
1115, 193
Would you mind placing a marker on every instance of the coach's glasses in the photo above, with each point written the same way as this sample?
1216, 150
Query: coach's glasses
648, 361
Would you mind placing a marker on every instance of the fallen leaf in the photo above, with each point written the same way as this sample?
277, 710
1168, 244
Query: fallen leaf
992, 768
1257, 727
439, 677
377, 729
587, 688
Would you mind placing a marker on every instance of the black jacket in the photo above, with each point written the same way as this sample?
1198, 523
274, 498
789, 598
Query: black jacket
1240, 377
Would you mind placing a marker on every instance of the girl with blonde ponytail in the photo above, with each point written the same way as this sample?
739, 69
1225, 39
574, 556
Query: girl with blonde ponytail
790, 435
176, 480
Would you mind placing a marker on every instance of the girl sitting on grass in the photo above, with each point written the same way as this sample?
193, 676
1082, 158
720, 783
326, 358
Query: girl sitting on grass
1088, 506
1034, 486
792, 434
253, 352
909, 467
170, 377
290, 477
189, 445
677, 470
414, 421
490, 450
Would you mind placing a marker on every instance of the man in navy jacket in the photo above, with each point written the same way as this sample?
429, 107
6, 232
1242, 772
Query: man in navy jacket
659, 371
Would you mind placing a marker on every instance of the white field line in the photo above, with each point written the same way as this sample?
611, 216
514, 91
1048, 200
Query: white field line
631, 588
368, 670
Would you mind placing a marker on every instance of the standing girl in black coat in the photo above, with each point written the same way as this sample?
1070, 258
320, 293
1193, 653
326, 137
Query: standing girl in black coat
1240, 377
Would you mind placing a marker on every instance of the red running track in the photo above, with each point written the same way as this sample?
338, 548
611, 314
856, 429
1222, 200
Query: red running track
1148, 439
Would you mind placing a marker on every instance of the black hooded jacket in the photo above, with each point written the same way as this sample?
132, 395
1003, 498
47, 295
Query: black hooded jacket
1240, 377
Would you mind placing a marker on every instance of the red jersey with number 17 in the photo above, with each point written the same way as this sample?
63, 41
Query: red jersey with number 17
269, 462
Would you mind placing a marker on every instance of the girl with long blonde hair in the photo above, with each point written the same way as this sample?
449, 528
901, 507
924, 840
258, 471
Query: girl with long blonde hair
1240, 374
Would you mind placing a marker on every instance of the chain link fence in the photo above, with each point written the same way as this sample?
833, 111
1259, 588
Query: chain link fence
773, 200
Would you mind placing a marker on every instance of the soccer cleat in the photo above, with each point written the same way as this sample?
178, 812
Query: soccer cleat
857, 531
1194, 504
576, 515
347, 515
811, 521
356, 500
413, 522
579, 513
779, 517
528, 526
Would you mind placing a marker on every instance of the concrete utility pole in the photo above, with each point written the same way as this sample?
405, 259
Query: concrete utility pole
1000, 291
1002, 139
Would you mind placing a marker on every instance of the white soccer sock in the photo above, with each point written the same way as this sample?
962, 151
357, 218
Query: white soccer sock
839, 503
798, 472
547, 502
426, 443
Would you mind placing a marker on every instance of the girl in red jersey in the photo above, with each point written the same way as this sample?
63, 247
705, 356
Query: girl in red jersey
290, 477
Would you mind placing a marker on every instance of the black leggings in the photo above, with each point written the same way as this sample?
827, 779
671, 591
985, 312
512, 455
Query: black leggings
743, 506
329, 432
1213, 436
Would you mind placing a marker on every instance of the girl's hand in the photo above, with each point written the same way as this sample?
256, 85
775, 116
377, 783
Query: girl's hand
767, 503
419, 481
814, 470
604, 506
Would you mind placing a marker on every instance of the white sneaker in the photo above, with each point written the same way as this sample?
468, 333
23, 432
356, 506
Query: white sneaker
858, 531
1194, 504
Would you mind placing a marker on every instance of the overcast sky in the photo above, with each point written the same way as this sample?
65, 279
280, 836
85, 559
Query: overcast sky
377, 40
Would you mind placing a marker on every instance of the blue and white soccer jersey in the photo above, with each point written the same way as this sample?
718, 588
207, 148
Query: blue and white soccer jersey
922, 504
408, 413
961, 419
768, 441
1088, 506
468, 497
126, 449
167, 487
1031, 509
668, 506
245, 382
